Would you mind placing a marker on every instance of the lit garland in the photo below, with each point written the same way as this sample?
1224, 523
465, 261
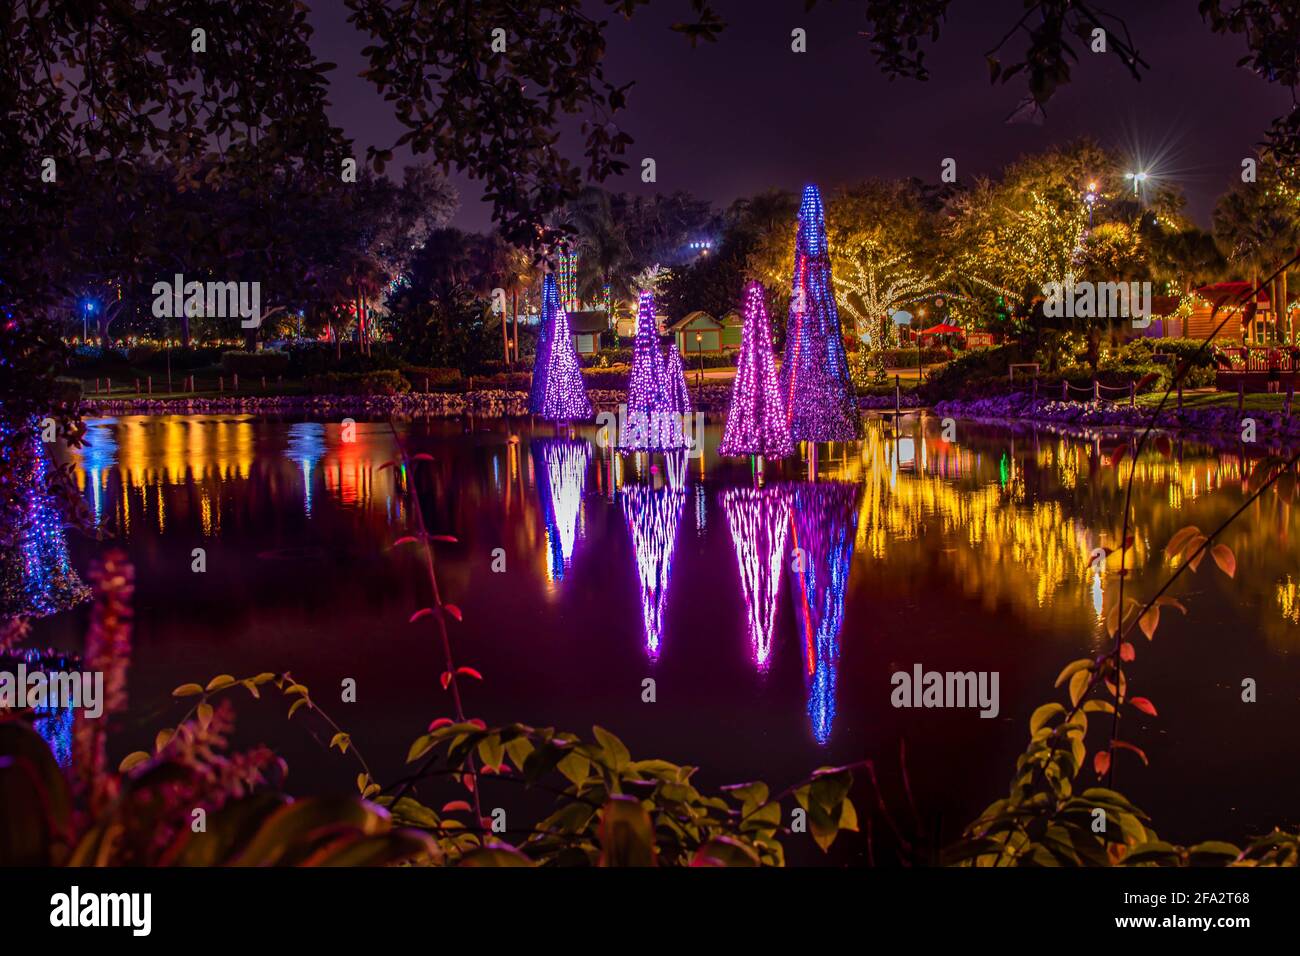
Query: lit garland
563, 473
759, 520
36, 574
653, 515
820, 404
653, 423
756, 420
824, 520
563, 392
568, 264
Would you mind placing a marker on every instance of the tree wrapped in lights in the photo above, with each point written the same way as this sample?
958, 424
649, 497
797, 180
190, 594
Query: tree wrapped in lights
823, 529
653, 423
36, 573
562, 395
759, 519
542, 360
562, 470
756, 419
675, 374
819, 400
653, 515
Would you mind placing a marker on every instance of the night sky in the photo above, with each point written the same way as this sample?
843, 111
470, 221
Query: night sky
745, 114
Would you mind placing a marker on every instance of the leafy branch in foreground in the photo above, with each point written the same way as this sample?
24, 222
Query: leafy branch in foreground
1049, 817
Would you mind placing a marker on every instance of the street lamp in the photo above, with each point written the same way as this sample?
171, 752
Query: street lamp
1090, 200
87, 307
1138, 178
699, 377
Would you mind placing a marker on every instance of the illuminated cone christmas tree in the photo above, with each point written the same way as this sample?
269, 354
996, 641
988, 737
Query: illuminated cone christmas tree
652, 422
36, 574
542, 360
563, 395
819, 401
678, 396
756, 422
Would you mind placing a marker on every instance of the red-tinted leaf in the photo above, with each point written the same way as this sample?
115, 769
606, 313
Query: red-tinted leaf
468, 781
1137, 750
406, 540
446, 679
468, 672
440, 722
477, 722
1127, 652
449, 539
1101, 762
456, 806
422, 612
1144, 705
1225, 559
453, 610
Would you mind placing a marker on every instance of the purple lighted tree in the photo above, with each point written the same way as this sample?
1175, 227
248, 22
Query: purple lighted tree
542, 360
562, 394
653, 423
820, 404
756, 422
675, 373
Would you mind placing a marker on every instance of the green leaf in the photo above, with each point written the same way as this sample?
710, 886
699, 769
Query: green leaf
616, 754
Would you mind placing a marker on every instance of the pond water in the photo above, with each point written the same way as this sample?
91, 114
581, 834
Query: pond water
969, 555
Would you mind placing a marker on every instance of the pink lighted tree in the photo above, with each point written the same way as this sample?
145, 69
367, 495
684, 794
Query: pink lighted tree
756, 421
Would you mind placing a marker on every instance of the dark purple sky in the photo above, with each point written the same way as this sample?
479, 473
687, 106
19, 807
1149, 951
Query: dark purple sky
733, 118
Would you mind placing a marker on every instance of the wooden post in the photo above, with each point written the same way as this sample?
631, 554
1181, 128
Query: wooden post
1096, 390
264, 383
137, 386
150, 384
1035, 392
426, 383
898, 395
1241, 395
110, 387
221, 384
1290, 393
1132, 394
1065, 391
1180, 394
234, 387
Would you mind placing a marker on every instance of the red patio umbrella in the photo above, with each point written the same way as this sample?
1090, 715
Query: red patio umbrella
941, 329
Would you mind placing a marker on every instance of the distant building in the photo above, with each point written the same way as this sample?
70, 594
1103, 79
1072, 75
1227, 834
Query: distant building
701, 332
586, 328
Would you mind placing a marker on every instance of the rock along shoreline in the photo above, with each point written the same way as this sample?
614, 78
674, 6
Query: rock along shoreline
1219, 421
497, 403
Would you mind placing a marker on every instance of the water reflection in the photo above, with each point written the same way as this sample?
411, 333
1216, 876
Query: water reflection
653, 511
759, 520
1002, 524
562, 465
822, 535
